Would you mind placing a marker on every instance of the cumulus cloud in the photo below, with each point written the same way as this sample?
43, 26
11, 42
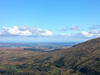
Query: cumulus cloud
24, 31
86, 34
82, 34
91, 34
76, 28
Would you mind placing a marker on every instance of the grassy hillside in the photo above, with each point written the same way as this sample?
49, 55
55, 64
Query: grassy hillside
81, 59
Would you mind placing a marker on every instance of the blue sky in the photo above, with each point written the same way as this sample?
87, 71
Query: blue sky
49, 20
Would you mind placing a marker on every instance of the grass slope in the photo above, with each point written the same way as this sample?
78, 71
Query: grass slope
81, 59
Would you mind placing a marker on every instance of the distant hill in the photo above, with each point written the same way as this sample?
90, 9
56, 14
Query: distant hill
46, 46
80, 59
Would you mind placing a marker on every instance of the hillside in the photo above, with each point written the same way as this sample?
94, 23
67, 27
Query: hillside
81, 59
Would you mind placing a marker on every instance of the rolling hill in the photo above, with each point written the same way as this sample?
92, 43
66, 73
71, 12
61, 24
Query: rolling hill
80, 59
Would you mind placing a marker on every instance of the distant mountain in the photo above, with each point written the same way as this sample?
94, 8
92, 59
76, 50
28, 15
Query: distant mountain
80, 59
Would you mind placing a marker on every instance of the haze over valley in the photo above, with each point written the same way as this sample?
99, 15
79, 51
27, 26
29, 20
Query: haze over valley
36, 46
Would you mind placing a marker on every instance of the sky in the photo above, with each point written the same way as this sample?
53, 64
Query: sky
49, 20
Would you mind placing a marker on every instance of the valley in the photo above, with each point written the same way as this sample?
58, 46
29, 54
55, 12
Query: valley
43, 47
80, 59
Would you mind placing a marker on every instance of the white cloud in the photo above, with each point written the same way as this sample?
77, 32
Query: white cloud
25, 31
92, 34
47, 33
82, 34
86, 34
76, 28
